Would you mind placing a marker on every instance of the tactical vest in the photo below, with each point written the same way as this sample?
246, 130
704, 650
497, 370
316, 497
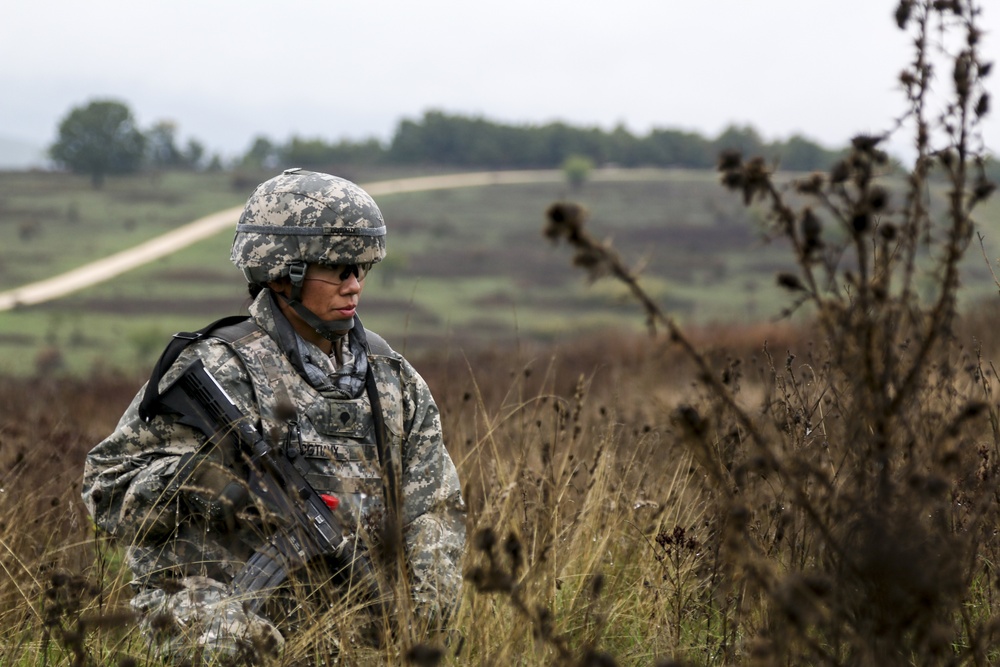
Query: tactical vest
330, 440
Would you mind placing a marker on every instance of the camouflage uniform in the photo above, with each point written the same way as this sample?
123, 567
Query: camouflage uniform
183, 563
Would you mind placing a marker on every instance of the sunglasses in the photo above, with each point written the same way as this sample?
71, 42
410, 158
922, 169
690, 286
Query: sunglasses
359, 271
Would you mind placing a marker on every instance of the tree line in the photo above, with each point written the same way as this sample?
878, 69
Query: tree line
438, 138
101, 138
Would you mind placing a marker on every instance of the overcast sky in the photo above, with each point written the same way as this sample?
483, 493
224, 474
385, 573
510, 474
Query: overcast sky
228, 70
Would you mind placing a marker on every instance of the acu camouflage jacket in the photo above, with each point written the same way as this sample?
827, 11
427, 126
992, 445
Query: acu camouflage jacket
127, 475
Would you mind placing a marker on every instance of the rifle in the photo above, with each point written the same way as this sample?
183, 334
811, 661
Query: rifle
312, 529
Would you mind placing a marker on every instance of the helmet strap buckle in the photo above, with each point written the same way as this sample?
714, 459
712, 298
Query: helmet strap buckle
297, 274
297, 271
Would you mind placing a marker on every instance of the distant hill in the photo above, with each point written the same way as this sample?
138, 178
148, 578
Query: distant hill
18, 154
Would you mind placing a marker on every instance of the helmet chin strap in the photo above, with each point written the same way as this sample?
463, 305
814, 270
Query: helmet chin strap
330, 330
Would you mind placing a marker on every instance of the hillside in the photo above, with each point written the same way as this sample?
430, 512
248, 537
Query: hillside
466, 267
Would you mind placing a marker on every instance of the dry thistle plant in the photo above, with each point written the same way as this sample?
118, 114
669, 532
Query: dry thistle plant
857, 502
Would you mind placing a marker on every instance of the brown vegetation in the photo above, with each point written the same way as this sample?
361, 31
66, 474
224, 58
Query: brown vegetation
565, 452
855, 498
596, 537
814, 494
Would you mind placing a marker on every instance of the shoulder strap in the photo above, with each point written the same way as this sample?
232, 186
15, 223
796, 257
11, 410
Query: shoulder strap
149, 407
372, 342
377, 344
234, 332
390, 487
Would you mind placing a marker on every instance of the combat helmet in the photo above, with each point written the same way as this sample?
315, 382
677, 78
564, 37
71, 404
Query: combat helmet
303, 217
300, 218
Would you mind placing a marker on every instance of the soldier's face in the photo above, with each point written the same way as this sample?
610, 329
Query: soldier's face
332, 292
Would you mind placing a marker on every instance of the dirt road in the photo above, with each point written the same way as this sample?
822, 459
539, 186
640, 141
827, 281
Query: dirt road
114, 265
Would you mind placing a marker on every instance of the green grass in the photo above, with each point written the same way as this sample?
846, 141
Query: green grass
468, 266
50, 223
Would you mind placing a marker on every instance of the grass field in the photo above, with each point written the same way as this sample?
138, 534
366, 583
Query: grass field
466, 267
572, 456
621, 511
816, 491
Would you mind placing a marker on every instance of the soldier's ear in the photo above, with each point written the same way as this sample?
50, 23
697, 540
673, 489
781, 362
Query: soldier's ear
282, 285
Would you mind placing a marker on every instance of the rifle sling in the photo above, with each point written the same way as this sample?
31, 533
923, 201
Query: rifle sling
389, 486
150, 405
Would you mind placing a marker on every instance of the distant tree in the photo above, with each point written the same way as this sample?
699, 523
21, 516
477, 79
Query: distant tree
800, 154
674, 148
194, 154
577, 170
441, 138
161, 146
301, 152
368, 151
621, 147
162, 151
559, 140
262, 153
99, 139
215, 163
745, 140
446, 139
305, 152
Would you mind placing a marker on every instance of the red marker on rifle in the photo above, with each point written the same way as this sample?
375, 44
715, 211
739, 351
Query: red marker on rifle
331, 501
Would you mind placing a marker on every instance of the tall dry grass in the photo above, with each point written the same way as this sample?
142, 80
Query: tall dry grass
599, 533
590, 533
856, 498
823, 494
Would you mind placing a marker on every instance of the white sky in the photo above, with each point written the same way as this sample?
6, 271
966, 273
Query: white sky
228, 70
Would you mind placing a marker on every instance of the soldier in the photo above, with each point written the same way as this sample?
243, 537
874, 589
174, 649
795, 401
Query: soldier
307, 374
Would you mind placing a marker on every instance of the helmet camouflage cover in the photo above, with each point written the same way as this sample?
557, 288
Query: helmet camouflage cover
305, 216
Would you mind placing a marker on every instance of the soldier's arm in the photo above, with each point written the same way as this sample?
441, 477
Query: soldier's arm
433, 509
127, 474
